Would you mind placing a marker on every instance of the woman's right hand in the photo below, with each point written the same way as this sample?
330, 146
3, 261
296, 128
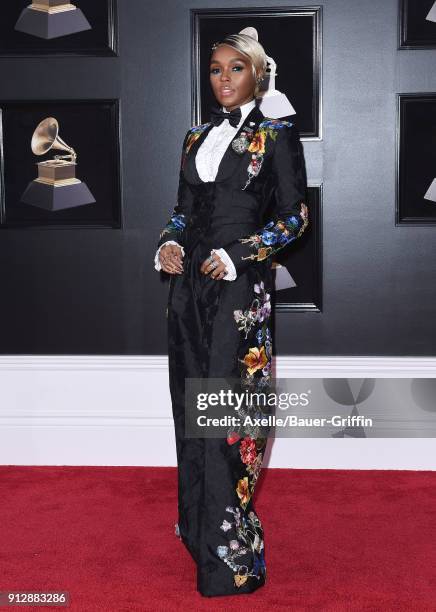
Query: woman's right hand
171, 259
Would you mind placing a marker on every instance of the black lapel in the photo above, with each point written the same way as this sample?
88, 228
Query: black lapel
230, 159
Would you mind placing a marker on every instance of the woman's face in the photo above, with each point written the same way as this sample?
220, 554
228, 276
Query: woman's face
231, 77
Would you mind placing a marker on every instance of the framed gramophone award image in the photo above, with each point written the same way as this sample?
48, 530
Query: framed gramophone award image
417, 24
60, 164
58, 27
416, 159
292, 39
56, 187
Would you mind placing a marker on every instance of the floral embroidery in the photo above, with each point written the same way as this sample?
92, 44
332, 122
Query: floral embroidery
252, 459
255, 359
255, 372
266, 128
243, 491
247, 450
275, 235
195, 132
175, 224
254, 467
258, 358
253, 463
249, 540
258, 312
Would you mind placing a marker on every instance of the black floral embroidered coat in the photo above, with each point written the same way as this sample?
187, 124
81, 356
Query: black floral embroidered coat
217, 328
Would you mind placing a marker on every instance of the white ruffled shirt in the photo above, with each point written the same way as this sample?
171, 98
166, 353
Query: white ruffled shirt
207, 160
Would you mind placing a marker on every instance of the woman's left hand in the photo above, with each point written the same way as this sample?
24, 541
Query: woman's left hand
214, 266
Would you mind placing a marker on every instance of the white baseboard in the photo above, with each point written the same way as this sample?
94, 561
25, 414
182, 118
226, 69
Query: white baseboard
115, 410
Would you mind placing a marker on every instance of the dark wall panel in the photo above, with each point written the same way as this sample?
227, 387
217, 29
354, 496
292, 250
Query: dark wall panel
95, 291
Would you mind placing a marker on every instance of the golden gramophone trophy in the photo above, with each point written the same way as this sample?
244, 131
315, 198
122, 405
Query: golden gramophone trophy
56, 187
51, 19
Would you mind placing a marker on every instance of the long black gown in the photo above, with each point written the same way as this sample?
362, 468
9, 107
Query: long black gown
219, 328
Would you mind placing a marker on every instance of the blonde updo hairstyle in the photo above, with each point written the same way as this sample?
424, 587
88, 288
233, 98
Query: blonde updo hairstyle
252, 49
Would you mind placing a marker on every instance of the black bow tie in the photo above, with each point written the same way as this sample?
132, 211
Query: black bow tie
217, 116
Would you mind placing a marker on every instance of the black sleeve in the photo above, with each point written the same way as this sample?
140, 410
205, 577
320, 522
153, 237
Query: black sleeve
180, 213
290, 215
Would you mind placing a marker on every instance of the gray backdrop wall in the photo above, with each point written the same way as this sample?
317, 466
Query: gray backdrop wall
95, 291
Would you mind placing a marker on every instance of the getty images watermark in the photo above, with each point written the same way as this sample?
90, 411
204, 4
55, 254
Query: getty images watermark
313, 407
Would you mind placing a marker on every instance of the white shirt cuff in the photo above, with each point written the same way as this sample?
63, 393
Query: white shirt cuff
230, 268
157, 263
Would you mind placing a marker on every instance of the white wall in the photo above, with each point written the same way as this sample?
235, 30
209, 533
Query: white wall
109, 410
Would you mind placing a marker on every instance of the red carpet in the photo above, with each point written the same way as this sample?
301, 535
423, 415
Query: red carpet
334, 540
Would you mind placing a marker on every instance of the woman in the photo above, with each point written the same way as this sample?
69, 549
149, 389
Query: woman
219, 252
